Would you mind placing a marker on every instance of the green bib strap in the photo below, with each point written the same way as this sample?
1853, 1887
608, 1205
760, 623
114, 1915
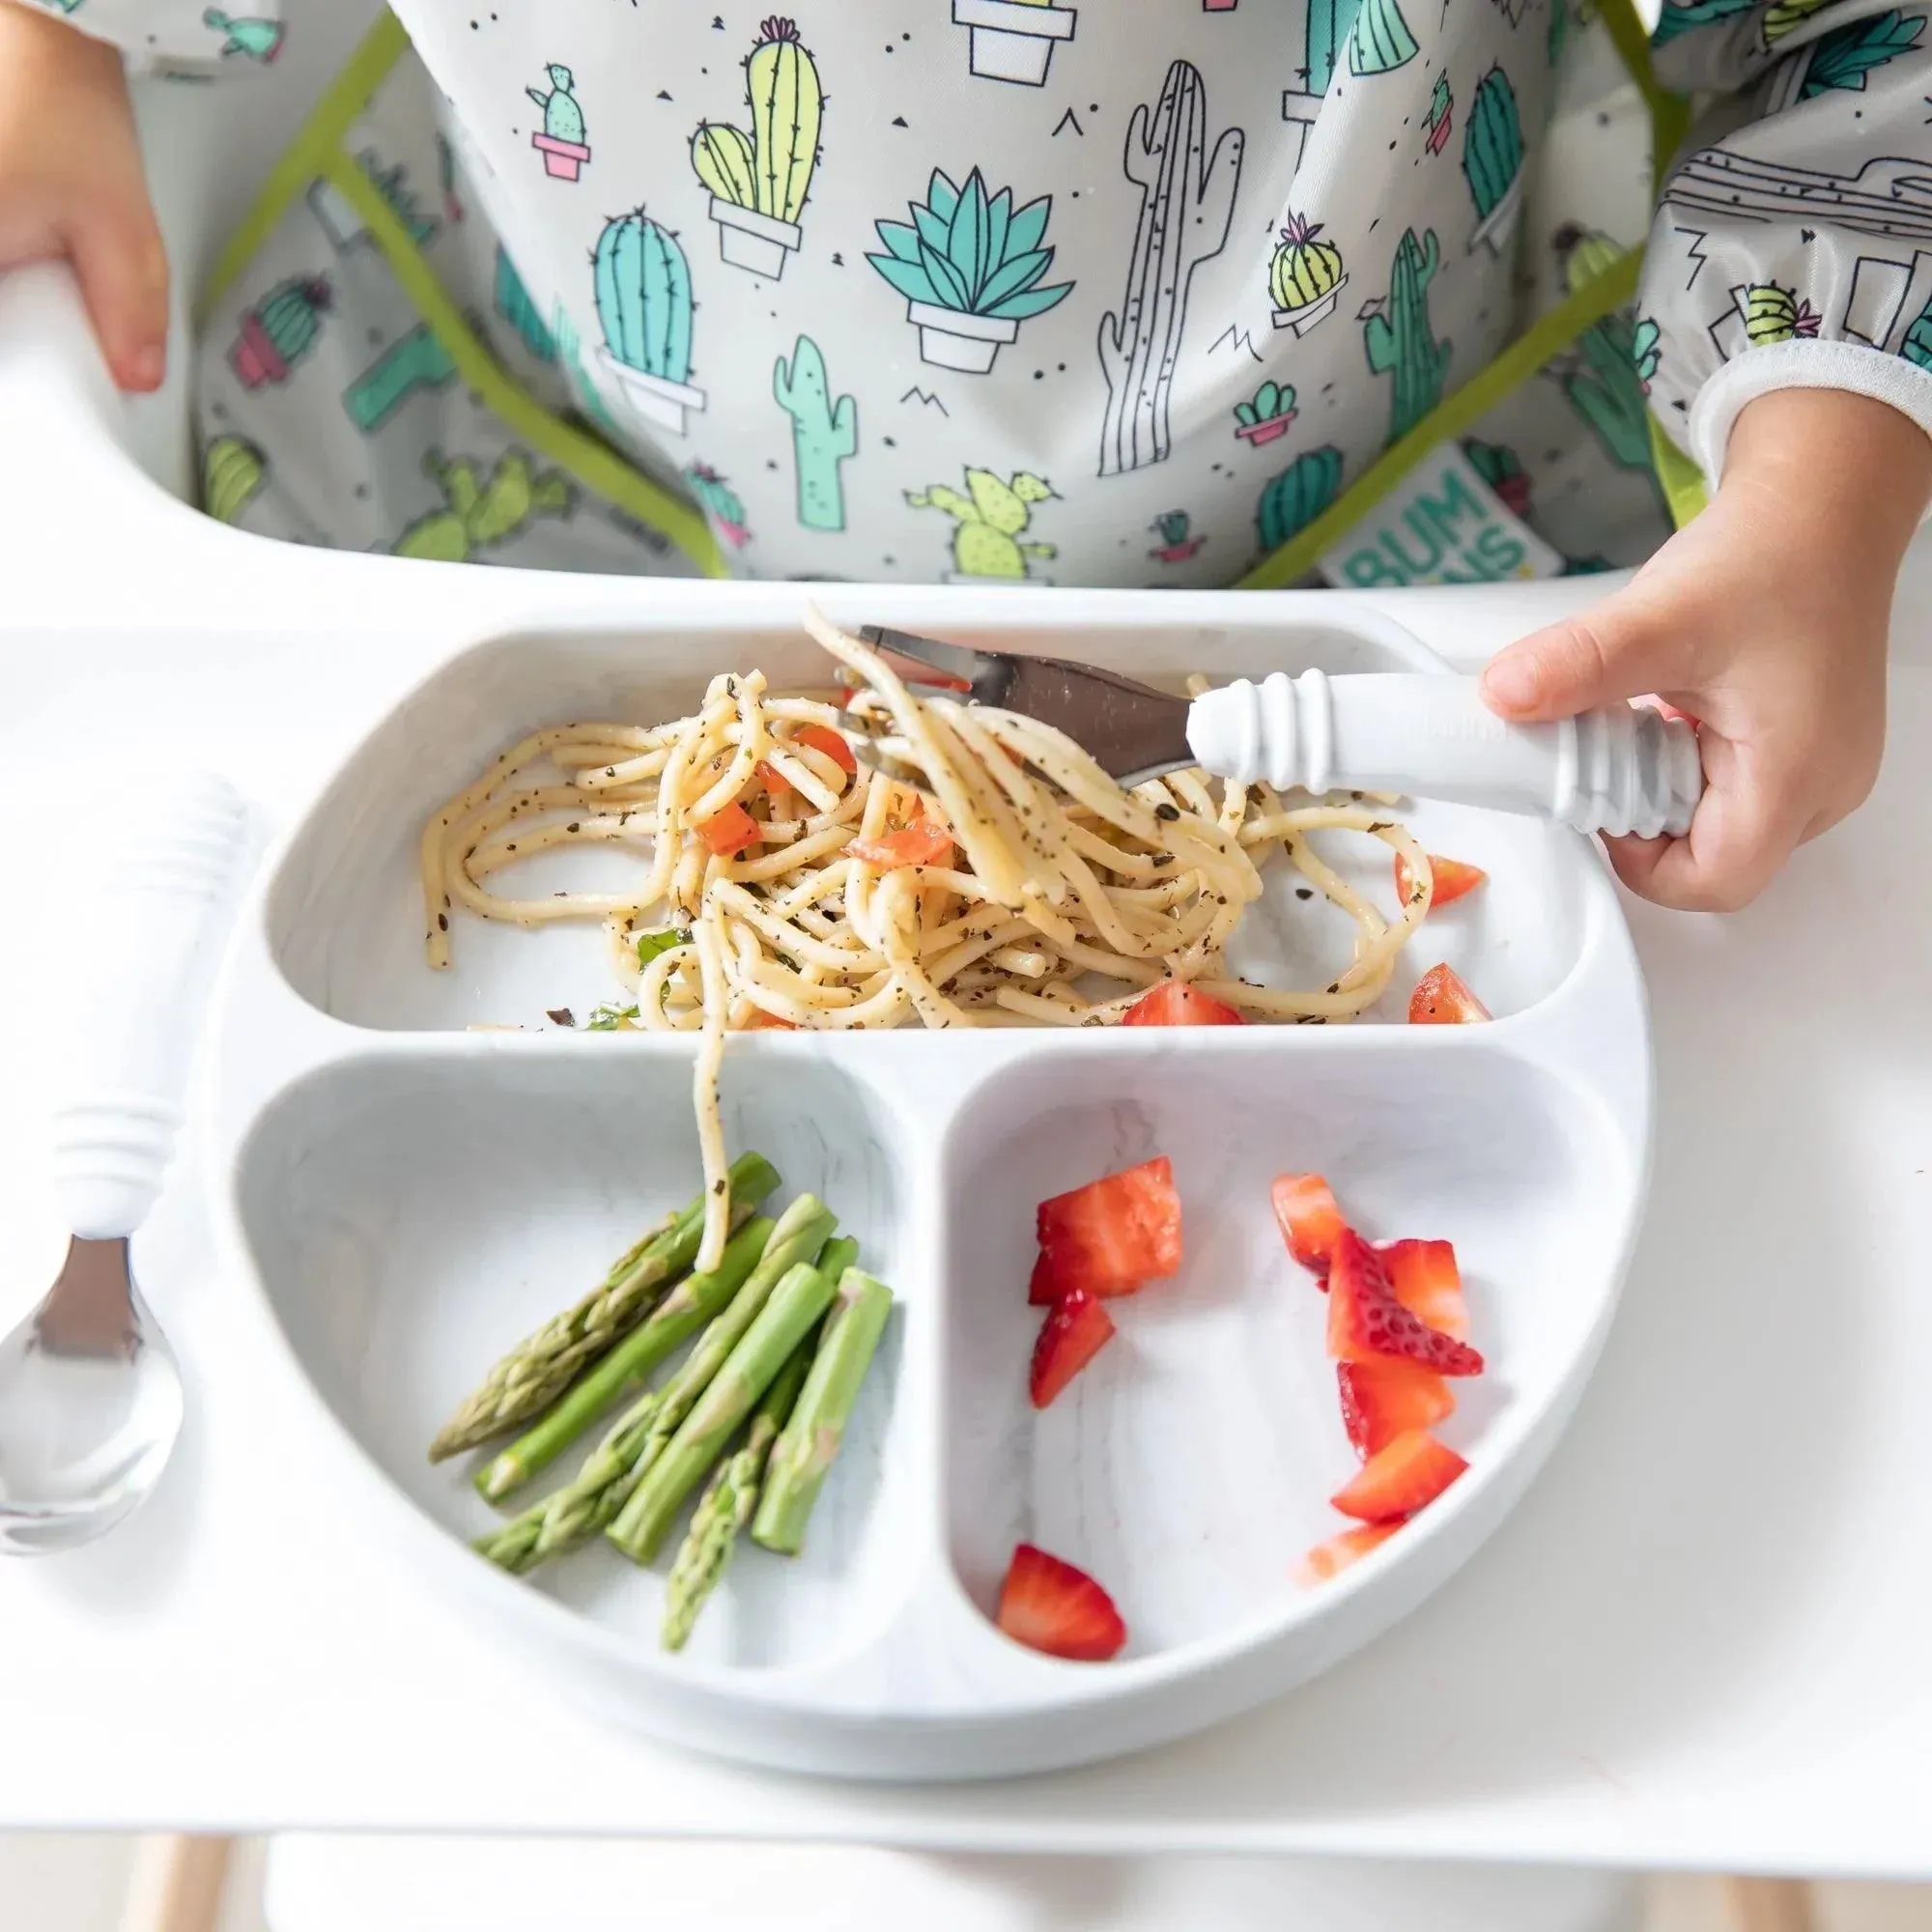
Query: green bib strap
317, 154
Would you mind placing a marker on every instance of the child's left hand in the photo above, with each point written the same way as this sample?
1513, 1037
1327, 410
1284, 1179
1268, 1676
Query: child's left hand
1765, 618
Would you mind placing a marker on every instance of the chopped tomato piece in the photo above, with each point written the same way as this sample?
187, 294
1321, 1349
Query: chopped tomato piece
1304, 1204
1050, 1605
919, 843
1075, 1330
1366, 1321
1329, 1559
774, 780
1452, 877
1441, 999
1174, 1004
1428, 1284
764, 1022
1111, 1235
1400, 1478
730, 831
1386, 1399
823, 738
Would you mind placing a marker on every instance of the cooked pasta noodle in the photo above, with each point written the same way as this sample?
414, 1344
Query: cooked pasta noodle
1009, 886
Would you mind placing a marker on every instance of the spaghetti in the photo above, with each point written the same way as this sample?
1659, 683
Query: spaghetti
1008, 880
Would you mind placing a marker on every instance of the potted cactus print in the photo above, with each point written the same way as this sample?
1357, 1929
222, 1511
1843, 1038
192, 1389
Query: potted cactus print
1176, 544
1501, 468
232, 470
1441, 114
1014, 39
1493, 161
1306, 276
280, 331
643, 306
1380, 41
1293, 500
759, 181
1267, 416
970, 267
989, 522
253, 38
1647, 352
561, 142
1773, 315
720, 502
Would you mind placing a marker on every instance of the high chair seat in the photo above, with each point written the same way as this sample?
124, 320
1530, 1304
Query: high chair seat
446, 1884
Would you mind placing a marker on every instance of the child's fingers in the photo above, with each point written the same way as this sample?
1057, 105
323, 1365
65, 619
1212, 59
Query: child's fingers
117, 254
1620, 650
1736, 844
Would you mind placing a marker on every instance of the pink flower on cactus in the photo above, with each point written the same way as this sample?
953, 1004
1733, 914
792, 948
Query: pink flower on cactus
778, 28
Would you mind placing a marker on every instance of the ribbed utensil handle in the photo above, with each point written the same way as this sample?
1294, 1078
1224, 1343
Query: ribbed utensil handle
1618, 770
135, 1006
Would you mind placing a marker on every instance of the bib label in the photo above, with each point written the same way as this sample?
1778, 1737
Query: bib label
1443, 524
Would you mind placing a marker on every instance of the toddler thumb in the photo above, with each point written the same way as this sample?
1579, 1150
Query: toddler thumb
1616, 651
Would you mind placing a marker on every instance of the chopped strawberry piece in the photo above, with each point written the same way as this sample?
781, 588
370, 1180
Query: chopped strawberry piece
1367, 1323
1329, 1559
730, 831
1452, 880
1174, 1004
1111, 1235
823, 738
1304, 1204
1400, 1478
1386, 1399
1050, 1605
1428, 1284
920, 843
1075, 1330
1441, 999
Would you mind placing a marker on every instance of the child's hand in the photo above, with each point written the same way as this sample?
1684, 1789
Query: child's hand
1765, 618
71, 185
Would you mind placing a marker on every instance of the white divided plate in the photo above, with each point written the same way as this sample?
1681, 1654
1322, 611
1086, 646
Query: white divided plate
409, 1197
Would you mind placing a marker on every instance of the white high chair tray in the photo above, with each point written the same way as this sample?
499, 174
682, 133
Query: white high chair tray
410, 1197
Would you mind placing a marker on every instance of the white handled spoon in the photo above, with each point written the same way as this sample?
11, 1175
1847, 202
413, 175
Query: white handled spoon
90, 1397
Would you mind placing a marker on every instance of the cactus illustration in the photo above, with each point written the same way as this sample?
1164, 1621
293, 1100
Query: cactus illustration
232, 470
1305, 276
990, 521
1600, 380
1267, 416
1187, 199
1330, 23
1293, 500
569, 353
1684, 16
1788, 17
1441, 118
643, 306
446, 168
1917, 344
1842, 58
393, 186
1646, 352
760, 180
1380, 41
1397, 338
255, 40
720, 502
823, 434
1176, 544
1493, 159
1772, 314
514, 304
479, 514
562, 143
414, 361
280, 331
1501, 468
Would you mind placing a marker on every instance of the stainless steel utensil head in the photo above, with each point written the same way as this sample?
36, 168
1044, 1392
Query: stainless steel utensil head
1134, 731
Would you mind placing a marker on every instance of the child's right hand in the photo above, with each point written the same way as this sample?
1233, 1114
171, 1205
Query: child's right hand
72, 187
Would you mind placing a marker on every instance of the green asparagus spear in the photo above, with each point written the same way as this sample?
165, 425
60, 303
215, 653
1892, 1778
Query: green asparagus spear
542, 1365
797, 1469
725, 1507
679, 1316
781, 1324
634, 1441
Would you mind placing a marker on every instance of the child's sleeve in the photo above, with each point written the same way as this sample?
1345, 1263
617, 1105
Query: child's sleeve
1792, 247
184, 37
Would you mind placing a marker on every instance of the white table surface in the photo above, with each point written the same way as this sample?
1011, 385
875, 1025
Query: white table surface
1698, 1642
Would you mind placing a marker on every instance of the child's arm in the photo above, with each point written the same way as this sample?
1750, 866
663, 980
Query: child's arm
1786, 343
